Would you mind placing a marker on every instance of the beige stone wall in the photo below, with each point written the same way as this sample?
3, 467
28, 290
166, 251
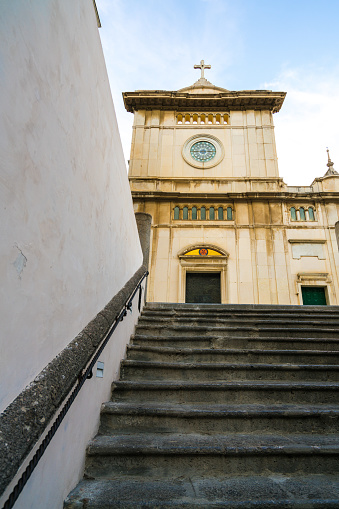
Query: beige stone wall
260, 265
248, 142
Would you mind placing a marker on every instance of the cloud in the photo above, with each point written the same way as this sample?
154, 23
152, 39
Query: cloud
154, 45
307, 123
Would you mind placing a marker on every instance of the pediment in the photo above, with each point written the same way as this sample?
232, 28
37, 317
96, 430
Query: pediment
202, 251
203, 86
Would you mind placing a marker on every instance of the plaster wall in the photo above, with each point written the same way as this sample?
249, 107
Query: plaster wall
61, 467
69, 240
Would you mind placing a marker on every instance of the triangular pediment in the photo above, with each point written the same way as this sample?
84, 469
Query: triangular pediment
203, 86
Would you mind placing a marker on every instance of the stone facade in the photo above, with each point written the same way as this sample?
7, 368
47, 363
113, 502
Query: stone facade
271, 240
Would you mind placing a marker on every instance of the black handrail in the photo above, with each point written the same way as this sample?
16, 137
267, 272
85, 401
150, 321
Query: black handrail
84, 375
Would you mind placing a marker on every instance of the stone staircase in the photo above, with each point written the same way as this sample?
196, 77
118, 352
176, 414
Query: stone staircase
227, 406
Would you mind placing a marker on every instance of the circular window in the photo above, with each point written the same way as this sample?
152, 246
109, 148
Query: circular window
203, 151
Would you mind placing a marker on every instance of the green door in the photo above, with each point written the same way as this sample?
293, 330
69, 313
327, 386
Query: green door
313, 295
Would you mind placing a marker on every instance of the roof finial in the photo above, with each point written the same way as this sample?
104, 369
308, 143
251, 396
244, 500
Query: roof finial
202, 66
331, 170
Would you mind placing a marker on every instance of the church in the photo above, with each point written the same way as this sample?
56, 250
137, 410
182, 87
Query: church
226, 228
111, 399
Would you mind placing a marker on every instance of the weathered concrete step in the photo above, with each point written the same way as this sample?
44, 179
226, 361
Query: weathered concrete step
165, 353
163, 417
250, 321
226, 313
149, 370
246, 308
227, 392
157, 456
238, 341
239, 492
255, 331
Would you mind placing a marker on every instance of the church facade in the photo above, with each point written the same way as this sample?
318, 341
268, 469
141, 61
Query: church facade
226, 228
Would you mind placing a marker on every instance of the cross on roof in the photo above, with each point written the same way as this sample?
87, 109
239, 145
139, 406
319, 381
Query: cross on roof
202, 66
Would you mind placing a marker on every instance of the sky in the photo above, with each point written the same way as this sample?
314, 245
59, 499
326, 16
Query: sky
289, 46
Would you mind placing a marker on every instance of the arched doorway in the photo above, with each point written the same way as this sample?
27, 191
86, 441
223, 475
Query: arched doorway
203, 274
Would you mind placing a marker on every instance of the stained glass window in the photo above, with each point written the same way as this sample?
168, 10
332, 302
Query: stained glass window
185, 213
194, 212
203, 213
302, 214
212, 213
220, 213
229, 214
176, 212
203, 151
293, 214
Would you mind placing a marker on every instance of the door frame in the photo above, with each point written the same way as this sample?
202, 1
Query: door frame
203, 264
315, 279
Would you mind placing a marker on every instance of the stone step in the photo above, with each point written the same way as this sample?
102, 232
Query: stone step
155, 370
230, 406
128, 417
231, 313
166, 456
159, 307
231, 320
238, 341
262, 392
164, 353
244, 330
239, 492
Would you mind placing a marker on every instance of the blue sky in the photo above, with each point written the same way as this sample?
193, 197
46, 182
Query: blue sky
290, 46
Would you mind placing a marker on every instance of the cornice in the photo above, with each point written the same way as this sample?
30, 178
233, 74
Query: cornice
245, 196
222, 180
221, 101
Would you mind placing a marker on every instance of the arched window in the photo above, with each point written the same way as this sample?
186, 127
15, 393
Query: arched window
302, 214
212, 213
179, 118
293, 214
176, 212
195, 118
210, 119
187, 119
202, 119
194, 213
217, 118
185, 213
220, 214
311, 214
229, 214
203, 213
226, 119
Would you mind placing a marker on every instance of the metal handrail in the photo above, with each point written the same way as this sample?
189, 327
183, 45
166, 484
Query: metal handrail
86, 374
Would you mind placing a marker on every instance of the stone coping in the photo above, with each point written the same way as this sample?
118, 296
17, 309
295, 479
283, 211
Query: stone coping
23, 422
25, 419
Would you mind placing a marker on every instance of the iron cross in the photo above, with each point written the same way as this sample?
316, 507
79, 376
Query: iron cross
202, 66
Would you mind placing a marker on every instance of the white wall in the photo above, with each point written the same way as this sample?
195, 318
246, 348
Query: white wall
61, 467
68, 239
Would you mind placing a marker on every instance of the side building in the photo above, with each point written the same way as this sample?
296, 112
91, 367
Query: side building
226, 228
